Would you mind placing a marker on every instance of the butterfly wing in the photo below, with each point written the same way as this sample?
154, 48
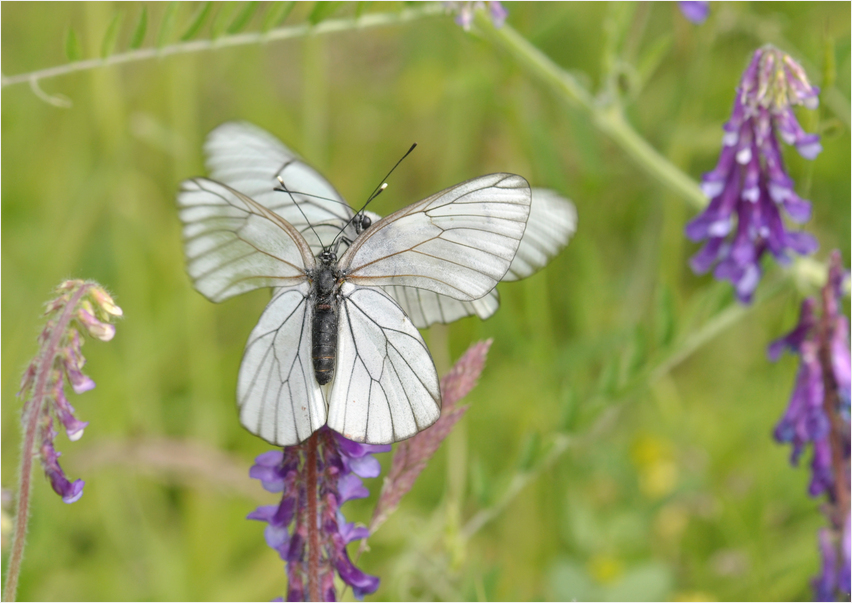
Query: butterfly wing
458, 243
278, 396
425, 308
552, 223
385, 386
252, 161
233, 244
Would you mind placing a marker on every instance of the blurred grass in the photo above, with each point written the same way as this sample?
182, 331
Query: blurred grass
678, 494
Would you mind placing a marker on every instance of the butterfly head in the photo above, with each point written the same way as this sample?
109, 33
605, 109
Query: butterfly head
362, 222
328, 257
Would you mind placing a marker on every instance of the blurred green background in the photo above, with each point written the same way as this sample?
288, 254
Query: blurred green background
627, 487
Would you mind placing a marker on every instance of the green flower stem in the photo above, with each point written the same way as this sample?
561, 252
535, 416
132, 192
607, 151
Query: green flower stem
607, 117
282, 33
562, 442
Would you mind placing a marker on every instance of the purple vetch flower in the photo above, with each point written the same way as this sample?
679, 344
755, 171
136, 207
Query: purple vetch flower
749, 185
832, 583
80, 306
340, 465
818, 415
695, 10
464, 12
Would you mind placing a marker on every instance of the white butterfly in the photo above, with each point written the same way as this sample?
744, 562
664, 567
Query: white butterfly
333, 346
256, 163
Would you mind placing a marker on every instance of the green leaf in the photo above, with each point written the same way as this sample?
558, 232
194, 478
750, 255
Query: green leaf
242, 17
637, 353
608, 379
276, 15
651, 59
480, 486
139, 33
72, 46
220, 21
529, 451
322, 11
168, 24
664, 321
108, 45
568, 416
197, 21
360, 7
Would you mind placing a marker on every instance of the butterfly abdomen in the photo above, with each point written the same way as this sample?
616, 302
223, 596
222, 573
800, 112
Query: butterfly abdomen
324, 327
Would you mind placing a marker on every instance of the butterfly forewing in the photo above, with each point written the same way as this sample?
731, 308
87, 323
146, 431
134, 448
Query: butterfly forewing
233, 244
459, 242
277, 392
385, 387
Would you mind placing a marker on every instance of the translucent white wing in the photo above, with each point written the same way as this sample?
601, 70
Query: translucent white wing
278, 396
552, 222
234, 244
251, 161
459, 242
425, 308
385, 386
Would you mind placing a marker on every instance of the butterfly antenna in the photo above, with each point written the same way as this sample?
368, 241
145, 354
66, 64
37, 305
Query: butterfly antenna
299, 207
376, 192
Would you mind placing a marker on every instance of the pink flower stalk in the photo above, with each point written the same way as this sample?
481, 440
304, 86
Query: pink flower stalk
412, 455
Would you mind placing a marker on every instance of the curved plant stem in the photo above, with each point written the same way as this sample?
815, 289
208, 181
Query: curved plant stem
607, 117
282, 33
33, 412
562, 442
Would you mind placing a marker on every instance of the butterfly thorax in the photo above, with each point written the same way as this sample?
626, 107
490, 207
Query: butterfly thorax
324, 327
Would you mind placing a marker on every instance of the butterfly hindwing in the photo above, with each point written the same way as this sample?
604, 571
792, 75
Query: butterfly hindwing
257, 164
425, 308
551, 224
278, 396
385, 386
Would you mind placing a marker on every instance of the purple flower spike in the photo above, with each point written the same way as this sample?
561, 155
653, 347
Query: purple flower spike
340, 465
311, 535
749, 187
825, 585
78, 305
695, 11
818, 417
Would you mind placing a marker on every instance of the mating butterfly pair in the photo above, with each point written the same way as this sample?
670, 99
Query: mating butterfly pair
338, 343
